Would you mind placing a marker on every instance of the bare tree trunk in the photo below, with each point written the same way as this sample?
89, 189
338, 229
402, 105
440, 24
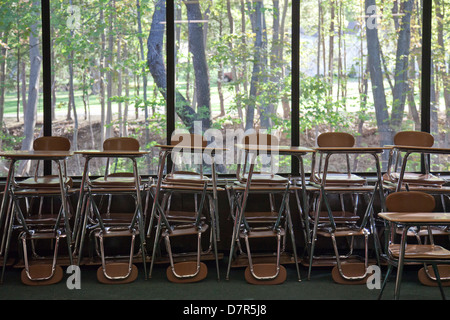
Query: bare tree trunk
119, 84
109, 75
4, 52
156, 65
256, 19
24, 87
102, 82
442, 71
127, 93
401, 65
33, 92
144, 74
376, 79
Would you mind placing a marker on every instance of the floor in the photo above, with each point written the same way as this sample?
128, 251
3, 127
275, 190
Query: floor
319, 287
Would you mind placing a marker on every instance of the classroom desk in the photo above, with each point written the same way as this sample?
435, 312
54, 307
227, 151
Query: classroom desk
324, 188
13, 157
254, 150
165, 151
80, 221
399, 254
431, 180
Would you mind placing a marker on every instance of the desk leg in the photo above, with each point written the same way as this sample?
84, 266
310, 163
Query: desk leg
80, 205
402, 172
9, 223
238, 219
401, 259
139, 217
162, 161
65, 212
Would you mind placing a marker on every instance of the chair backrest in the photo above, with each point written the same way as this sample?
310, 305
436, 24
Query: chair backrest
414, 138
53, 143
410, 201
188, 139
121, 144
335, 139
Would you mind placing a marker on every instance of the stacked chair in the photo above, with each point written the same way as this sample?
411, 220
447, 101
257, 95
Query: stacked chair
334, 223
272, 227
178, 226
413, 206
45, 226
106, 226
426, 182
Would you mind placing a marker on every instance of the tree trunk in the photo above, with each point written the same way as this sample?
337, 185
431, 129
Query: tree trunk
155, 63
376, 79
401, 66
33, 92
109, 75
4, 52
102, 82
197, 48
256, 19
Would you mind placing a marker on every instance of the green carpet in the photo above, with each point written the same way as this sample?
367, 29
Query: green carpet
319, 287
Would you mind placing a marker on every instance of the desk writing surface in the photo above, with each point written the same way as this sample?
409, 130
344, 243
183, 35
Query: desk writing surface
181, 146
279, 149
422, 149
110, 153
352, 149
35, 155
416, 217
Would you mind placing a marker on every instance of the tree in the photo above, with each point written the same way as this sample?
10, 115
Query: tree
157, 69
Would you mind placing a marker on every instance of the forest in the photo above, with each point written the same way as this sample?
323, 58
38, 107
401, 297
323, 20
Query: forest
360, 70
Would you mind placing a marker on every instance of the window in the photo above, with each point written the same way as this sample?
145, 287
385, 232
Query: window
360, 70
131, 67
21, 111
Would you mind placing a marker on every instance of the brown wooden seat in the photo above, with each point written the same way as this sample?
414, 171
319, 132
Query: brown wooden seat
412, 208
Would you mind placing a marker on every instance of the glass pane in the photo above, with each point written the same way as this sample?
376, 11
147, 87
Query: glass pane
21, 105
101, 84
440, 83
360, 71
233, 71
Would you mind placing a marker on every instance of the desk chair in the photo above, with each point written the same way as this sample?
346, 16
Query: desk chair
105, 224
173, 225
48, 225
424, 182
407, 209
333, 224
411, 180
250, 227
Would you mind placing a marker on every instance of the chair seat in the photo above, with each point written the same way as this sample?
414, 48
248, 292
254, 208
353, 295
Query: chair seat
265, 178
344, 232
116, 181
416, 251
185, 180
340, 179
338, 216
185, 230
262, 233
50, 181
417, 179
